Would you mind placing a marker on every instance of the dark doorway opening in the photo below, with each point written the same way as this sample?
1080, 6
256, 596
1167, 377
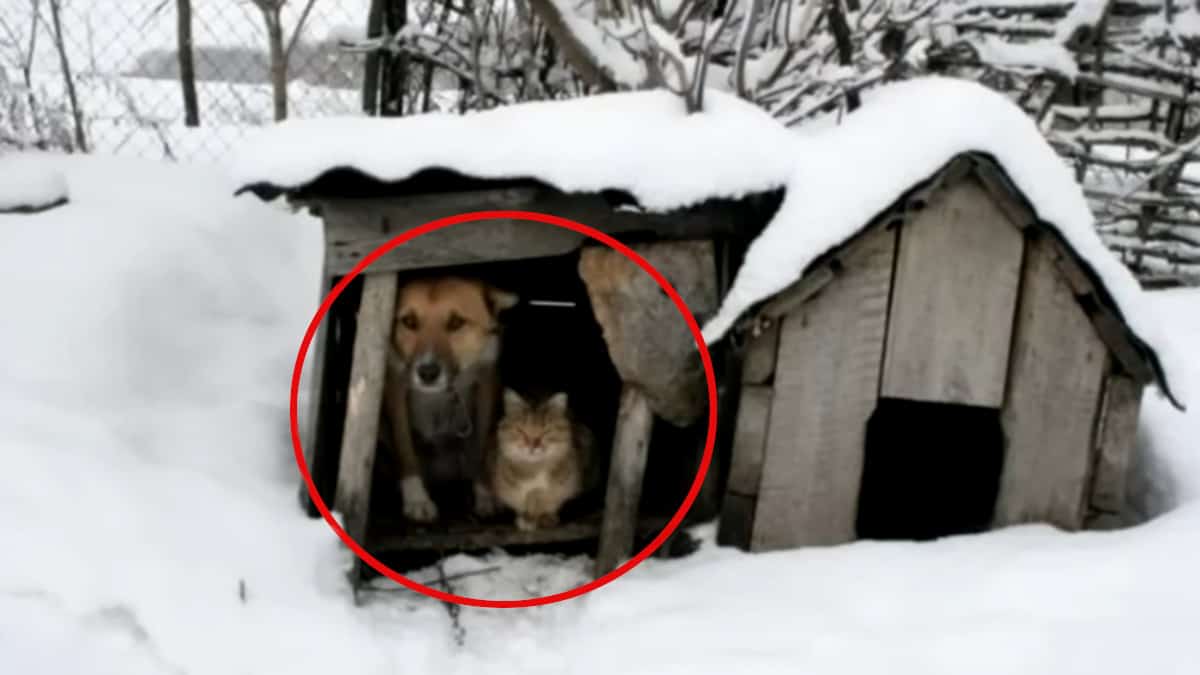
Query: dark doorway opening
930, 470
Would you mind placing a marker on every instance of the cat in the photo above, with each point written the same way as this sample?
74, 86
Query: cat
542, 458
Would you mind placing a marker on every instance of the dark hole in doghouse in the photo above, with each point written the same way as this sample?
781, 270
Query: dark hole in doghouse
551, 343
930, 470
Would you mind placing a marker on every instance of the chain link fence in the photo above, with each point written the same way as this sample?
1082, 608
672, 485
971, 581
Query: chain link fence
104, 75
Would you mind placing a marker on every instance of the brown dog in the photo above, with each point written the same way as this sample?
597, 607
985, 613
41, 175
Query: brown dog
442, 391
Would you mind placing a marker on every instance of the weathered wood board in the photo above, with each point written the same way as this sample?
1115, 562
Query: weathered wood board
957, 275
313, 380
355, 227
758, 361
364, 404
623, 495
745, 470
1054, 389
647, 338
1117, 435
808, 492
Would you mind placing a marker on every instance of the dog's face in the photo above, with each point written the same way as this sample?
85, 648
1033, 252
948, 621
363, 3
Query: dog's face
446, 325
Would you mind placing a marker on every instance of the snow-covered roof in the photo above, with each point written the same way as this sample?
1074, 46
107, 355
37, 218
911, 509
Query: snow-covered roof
906, 132
643, 143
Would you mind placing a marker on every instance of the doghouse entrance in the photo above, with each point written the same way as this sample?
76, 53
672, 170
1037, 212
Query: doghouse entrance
930, 470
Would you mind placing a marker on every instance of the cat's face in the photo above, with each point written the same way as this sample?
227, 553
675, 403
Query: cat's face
533, 433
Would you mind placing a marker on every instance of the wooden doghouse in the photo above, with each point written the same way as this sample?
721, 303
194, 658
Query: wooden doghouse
953, 367
650, 352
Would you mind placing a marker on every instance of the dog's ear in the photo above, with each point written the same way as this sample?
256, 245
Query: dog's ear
513, 403
500, 300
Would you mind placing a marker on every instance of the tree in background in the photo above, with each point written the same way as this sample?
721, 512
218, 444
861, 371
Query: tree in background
187, 63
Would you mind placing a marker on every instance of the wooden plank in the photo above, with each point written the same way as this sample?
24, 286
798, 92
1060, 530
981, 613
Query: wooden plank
309, 421
957, 274
1054, 388
648, 341
631, 443
364, 404
355, 227
397, 537
745, 469
1113, 331
1117, 435
826, 386
758, 361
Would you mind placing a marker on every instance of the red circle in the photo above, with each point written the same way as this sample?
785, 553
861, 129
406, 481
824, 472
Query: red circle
408, 235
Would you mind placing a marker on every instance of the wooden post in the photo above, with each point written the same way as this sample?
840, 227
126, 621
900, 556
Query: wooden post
749, 439
363, 405
1116, 436
630, 445
310, 421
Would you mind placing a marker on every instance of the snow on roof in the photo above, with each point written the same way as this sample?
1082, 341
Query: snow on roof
31, 182
641, 142
846, 175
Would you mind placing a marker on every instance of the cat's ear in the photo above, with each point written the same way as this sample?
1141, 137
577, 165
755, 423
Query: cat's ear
513, 403
557, 403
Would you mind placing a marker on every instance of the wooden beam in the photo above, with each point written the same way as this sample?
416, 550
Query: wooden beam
1054, 387
309, 421
363, 406
745, 470
758, 360
826, 387
1116, 437
631, 443
355, 227
957, 273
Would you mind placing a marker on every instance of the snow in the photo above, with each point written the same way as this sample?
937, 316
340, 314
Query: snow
845, 175
642, 142
30, 181
1083, 13
148, 472
1038, 54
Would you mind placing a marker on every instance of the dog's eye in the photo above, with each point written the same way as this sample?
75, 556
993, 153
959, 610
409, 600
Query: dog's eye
454, 323
409, 321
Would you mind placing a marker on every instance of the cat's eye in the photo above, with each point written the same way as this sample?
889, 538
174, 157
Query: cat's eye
409, 321
454, 323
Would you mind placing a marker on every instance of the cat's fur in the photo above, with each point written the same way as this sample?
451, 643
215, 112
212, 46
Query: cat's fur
542, 458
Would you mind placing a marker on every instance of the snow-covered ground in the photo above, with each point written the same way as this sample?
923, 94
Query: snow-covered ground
148, 481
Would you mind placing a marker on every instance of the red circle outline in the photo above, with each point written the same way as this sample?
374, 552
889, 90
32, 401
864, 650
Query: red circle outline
407, 236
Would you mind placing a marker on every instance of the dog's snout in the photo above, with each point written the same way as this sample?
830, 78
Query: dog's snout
429, 371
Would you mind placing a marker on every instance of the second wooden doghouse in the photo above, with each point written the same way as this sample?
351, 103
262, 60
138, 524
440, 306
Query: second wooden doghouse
954, 366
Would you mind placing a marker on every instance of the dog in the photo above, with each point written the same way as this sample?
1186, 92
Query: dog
442, 391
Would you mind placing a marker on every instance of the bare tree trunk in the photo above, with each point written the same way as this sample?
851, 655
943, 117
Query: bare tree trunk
279, 66
393, 69
844, 44
370, 97
187, 64
64, 62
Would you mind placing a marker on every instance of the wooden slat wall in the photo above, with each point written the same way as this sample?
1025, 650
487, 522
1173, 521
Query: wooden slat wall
1054, 389
364, 404
1117, 435
957, 275
826, 386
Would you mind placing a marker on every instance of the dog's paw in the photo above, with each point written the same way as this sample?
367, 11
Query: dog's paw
418, 506
525, 524
547, 520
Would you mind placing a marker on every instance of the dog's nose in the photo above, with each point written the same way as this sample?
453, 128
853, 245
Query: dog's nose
429, 372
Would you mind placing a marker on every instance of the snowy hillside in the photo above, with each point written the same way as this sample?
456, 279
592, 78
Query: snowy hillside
151, 525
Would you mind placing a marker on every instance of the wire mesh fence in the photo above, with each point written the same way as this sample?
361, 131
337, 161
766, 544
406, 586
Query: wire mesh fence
104, 75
